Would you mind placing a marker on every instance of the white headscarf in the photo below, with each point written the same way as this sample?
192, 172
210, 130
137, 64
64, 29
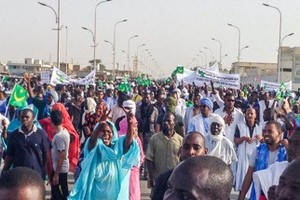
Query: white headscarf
91, 108
218, 145
217, 119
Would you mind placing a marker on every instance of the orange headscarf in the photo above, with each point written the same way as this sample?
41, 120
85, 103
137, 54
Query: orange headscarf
67, 124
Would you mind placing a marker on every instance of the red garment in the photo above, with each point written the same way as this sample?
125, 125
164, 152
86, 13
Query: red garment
67, 124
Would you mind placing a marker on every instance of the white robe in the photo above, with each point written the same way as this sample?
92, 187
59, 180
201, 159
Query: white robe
244, 152
221, 149
264, 179
197, 124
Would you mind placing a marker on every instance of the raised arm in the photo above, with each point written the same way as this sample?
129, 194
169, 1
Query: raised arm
132, 130
29, 88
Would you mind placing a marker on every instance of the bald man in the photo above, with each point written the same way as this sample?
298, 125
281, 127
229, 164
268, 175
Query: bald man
193, 145
22, 183
200, 177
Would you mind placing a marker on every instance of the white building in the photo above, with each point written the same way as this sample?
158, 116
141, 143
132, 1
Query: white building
290, 66
30, 65
253, 73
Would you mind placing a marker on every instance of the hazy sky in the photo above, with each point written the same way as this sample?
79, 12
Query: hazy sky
173, 30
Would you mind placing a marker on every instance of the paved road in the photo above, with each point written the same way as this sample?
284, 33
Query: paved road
145, 190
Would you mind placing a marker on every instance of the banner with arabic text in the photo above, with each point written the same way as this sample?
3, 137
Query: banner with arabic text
272, 86
59, 77
202, 76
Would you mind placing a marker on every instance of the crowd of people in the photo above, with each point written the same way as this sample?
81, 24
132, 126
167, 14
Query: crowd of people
187, 141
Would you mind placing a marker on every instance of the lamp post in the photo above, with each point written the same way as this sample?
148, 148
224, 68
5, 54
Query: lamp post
95, 30
197, 61
281, 42
205, 56
239, 41
128, 55
114, 44
220, 49
245, 47
57, 20
279, 39
94, 46
137, 55
210, 51
201, 58
66, 55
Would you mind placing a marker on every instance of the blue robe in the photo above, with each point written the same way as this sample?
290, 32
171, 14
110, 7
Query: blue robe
105, 171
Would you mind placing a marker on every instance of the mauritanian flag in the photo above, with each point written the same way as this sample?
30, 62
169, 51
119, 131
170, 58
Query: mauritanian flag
180, 69
18, 96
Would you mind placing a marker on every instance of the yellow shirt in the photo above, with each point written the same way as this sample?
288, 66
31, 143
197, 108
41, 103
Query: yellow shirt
164, 152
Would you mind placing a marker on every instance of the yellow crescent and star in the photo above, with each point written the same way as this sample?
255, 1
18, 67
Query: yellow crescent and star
20, 99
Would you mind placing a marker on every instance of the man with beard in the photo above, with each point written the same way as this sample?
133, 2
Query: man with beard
265, 178
247, 136
266, 154
163, 150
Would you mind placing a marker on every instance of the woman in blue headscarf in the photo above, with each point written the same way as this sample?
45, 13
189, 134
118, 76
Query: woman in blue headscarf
107, 163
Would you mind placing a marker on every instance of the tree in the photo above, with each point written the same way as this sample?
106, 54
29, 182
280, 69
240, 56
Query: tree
98, 62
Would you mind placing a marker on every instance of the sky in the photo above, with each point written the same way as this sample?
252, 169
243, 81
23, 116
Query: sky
173, 31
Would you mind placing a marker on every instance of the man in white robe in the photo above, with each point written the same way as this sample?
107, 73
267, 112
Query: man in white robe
264, 179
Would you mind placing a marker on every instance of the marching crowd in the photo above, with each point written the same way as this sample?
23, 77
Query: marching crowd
188, 142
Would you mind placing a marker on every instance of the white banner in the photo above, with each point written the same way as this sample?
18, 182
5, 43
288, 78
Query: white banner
214, 68
220, 80
270, 86
59, 77
88, 80
186, 72
45, 76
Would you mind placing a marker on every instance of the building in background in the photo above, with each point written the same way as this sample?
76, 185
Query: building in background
290, 66
253, 72
30, 65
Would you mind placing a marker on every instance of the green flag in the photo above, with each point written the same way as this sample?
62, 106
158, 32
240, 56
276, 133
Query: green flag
168, 80
18, 96
180, 69
4, 78
174, 73
202, 73
282, 87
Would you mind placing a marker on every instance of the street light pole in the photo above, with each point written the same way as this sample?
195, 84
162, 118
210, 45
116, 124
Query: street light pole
245, 47
137, 56
210, 51
66, 56
95, 30
279, 40
94, 46
128, 55
57, 19
239, 42
201, 59
114, 44
220, 49
205, 56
